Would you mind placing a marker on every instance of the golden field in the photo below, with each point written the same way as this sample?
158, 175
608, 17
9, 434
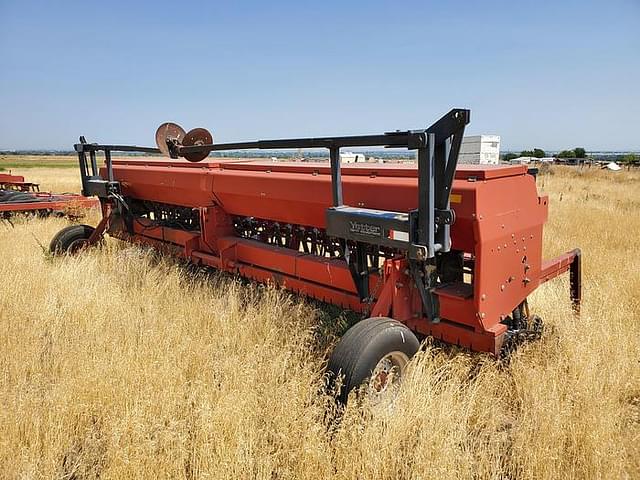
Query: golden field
28, 162
119, 363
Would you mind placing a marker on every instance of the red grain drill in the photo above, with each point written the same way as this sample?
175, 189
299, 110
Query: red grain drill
428, 248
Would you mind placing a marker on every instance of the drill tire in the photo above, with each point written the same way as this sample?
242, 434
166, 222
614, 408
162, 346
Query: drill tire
70, 239
363, 346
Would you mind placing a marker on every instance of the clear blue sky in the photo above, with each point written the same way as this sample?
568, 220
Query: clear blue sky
553, 74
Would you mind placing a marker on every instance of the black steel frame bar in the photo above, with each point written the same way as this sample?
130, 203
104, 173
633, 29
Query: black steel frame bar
575, 280
395, 139
336, 177
426, 195
95, 147
401, 139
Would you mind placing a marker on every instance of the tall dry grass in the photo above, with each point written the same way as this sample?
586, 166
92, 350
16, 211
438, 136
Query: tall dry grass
122, 364
56, 180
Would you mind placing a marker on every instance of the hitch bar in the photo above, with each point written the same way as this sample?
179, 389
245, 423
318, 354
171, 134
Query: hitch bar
571, 261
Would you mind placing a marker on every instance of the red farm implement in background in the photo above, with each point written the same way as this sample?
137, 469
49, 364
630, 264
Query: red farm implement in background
19, 196
417, 249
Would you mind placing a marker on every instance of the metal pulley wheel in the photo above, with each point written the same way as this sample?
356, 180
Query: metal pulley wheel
197, 136
167, 133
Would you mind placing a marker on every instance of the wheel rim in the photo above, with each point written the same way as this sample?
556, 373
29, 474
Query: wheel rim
77, 245
388, 372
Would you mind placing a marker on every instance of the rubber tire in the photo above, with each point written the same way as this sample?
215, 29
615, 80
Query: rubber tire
65, 239
363, 346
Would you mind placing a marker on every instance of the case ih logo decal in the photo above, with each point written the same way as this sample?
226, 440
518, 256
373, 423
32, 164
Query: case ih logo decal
365, 229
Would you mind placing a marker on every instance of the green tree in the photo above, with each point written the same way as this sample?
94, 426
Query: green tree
629, 158
536, 152
539, 153
580, 152
567, 154
509, 156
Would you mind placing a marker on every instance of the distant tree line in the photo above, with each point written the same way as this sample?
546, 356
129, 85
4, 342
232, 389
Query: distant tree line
577, 152
629, 158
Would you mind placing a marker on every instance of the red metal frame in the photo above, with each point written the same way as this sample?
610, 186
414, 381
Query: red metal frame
16, 182
51, 202
499, 225
47, 201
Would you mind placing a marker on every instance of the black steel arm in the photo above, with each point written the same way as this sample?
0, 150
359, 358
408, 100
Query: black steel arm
96, 147
398, 140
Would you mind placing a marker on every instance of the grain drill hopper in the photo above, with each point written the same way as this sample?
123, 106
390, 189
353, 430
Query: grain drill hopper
428, 249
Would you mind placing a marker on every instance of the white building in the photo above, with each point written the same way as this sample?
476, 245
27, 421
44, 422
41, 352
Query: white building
522, 160
350, 157
480, 149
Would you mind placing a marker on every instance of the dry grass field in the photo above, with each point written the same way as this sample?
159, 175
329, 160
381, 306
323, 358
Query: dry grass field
121, 364
22, 162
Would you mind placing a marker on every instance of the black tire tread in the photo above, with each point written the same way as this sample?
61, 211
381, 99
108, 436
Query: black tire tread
343, 358
61, 242
347, 356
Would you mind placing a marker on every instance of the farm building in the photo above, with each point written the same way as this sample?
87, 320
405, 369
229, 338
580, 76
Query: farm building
350, 157
480, 149
522, 160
